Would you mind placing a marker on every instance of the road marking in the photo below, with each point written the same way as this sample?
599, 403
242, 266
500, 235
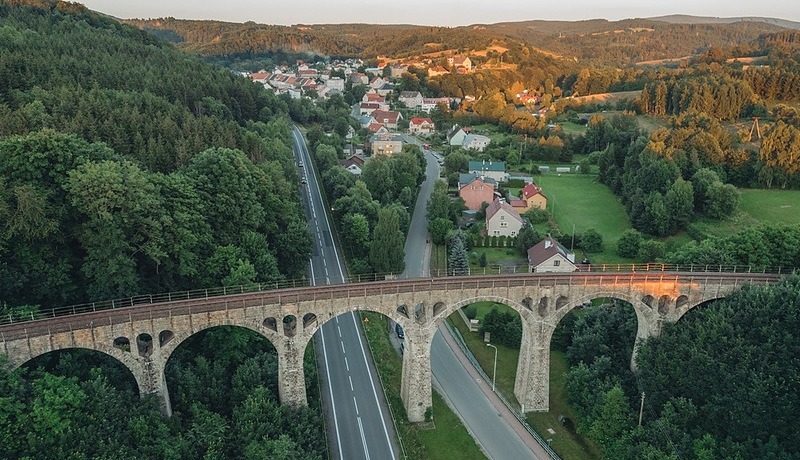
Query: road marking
346, 364
351, 382
340, 330
355, 403
330, 389
343, 352
364, 439
372, 384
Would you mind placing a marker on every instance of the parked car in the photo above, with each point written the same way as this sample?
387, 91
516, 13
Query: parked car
398, 329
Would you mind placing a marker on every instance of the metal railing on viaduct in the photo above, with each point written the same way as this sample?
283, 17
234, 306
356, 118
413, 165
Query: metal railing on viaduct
143, 331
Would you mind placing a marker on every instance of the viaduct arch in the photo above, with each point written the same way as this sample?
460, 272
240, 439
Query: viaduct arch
288, 318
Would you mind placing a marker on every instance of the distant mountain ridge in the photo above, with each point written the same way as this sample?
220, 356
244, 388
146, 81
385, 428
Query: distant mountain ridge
688, 19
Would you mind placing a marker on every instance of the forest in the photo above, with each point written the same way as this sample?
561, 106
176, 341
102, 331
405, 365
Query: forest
733, 396
128, 167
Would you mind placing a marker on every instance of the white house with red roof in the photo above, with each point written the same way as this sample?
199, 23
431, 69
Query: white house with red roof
502, 219
550, 256
422, 126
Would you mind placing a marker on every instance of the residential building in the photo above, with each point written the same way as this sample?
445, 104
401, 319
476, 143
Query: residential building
422, 126
377, 128
456, 135
430, 103
368, 108
386, 144
436, 71
476, 190
493, 169
533, 196
502, 219
550, 256
476, 142
387, 118
460, 61
411, 99
335, 83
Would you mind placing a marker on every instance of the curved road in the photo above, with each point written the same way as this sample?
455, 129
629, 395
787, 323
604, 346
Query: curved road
493, 428
357, 418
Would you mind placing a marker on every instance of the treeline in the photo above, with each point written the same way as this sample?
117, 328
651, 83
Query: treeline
223, 388
127, 167
715, 386
718, 95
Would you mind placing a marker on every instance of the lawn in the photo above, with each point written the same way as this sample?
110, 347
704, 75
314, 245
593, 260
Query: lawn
573, 128
493, 257
567, 444
757, 207
449, 438
578, 200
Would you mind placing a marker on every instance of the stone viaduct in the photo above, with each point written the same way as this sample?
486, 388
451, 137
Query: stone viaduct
142, 337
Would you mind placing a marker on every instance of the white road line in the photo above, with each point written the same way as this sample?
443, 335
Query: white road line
364, 439
355, 403
372, 384
346, 364
342, 344
339, 329
351, 382
330, 389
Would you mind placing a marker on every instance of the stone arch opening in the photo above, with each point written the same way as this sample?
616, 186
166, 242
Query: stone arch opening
419, 313
144, 344
271, 324
561, 302
681, 302
82, 363
542, 308
438, 307
122, 343
289, 325
214, 355
527, 302
663, 304
648, 300
164, 337
402, 310
309, 319
688, 310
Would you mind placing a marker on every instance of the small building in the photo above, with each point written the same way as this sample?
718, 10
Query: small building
387, 118
533, 196
411, 99
423, 126
502, 219
550, 256
436, 71
476, 190
456, 135
475, 142
493, 169
460, 62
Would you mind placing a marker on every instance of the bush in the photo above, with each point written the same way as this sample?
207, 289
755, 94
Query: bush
628, 244
537, 216
471, 311
592, 241
651, 250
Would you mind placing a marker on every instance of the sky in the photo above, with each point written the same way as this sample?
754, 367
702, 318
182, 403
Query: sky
436, 12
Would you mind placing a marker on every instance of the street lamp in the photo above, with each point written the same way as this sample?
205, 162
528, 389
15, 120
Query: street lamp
494, 370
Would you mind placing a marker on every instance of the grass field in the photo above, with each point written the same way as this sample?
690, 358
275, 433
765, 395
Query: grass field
757, 207
578, 200
567, 444
448, 439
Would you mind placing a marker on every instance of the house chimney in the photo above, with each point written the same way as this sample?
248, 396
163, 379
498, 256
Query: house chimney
548, 243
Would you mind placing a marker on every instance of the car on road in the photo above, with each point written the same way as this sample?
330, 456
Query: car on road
398, 329
303, 181
300, 164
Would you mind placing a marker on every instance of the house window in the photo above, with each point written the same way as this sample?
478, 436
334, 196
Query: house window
556, 263
481, 187
504, 224
502, 217
497, 232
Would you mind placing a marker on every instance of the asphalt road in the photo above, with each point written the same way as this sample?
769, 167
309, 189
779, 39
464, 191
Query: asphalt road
491, 428
357, 419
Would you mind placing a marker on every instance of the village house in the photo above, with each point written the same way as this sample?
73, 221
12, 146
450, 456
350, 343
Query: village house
495, 170
476, 190
411, 99
430, 103
367, 108
335, 83
533, 197
502, 219
456, 135
460, 62
353, 164
550, 256
436, 71
422, 126
397, 70
475, 142
377, 128
387, 118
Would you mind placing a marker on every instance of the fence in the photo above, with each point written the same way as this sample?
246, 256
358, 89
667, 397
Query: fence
8, 317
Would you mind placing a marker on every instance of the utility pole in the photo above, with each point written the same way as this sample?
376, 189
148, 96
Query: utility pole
641, 410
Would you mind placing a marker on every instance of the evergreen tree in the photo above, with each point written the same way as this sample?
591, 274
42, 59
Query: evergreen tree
386, 254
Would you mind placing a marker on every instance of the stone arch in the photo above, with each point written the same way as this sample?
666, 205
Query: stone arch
289, 325
309, 319
648, 300
663, 305
164, 337
167, 350
122, 343
680, 312
403, 310
271, 324
437, 308
542, 308
448, 310
144, 344
561, 301
134, 365
527, 302
681, 302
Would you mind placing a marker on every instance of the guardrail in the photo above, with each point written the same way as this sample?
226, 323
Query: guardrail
150, 299
519, 416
